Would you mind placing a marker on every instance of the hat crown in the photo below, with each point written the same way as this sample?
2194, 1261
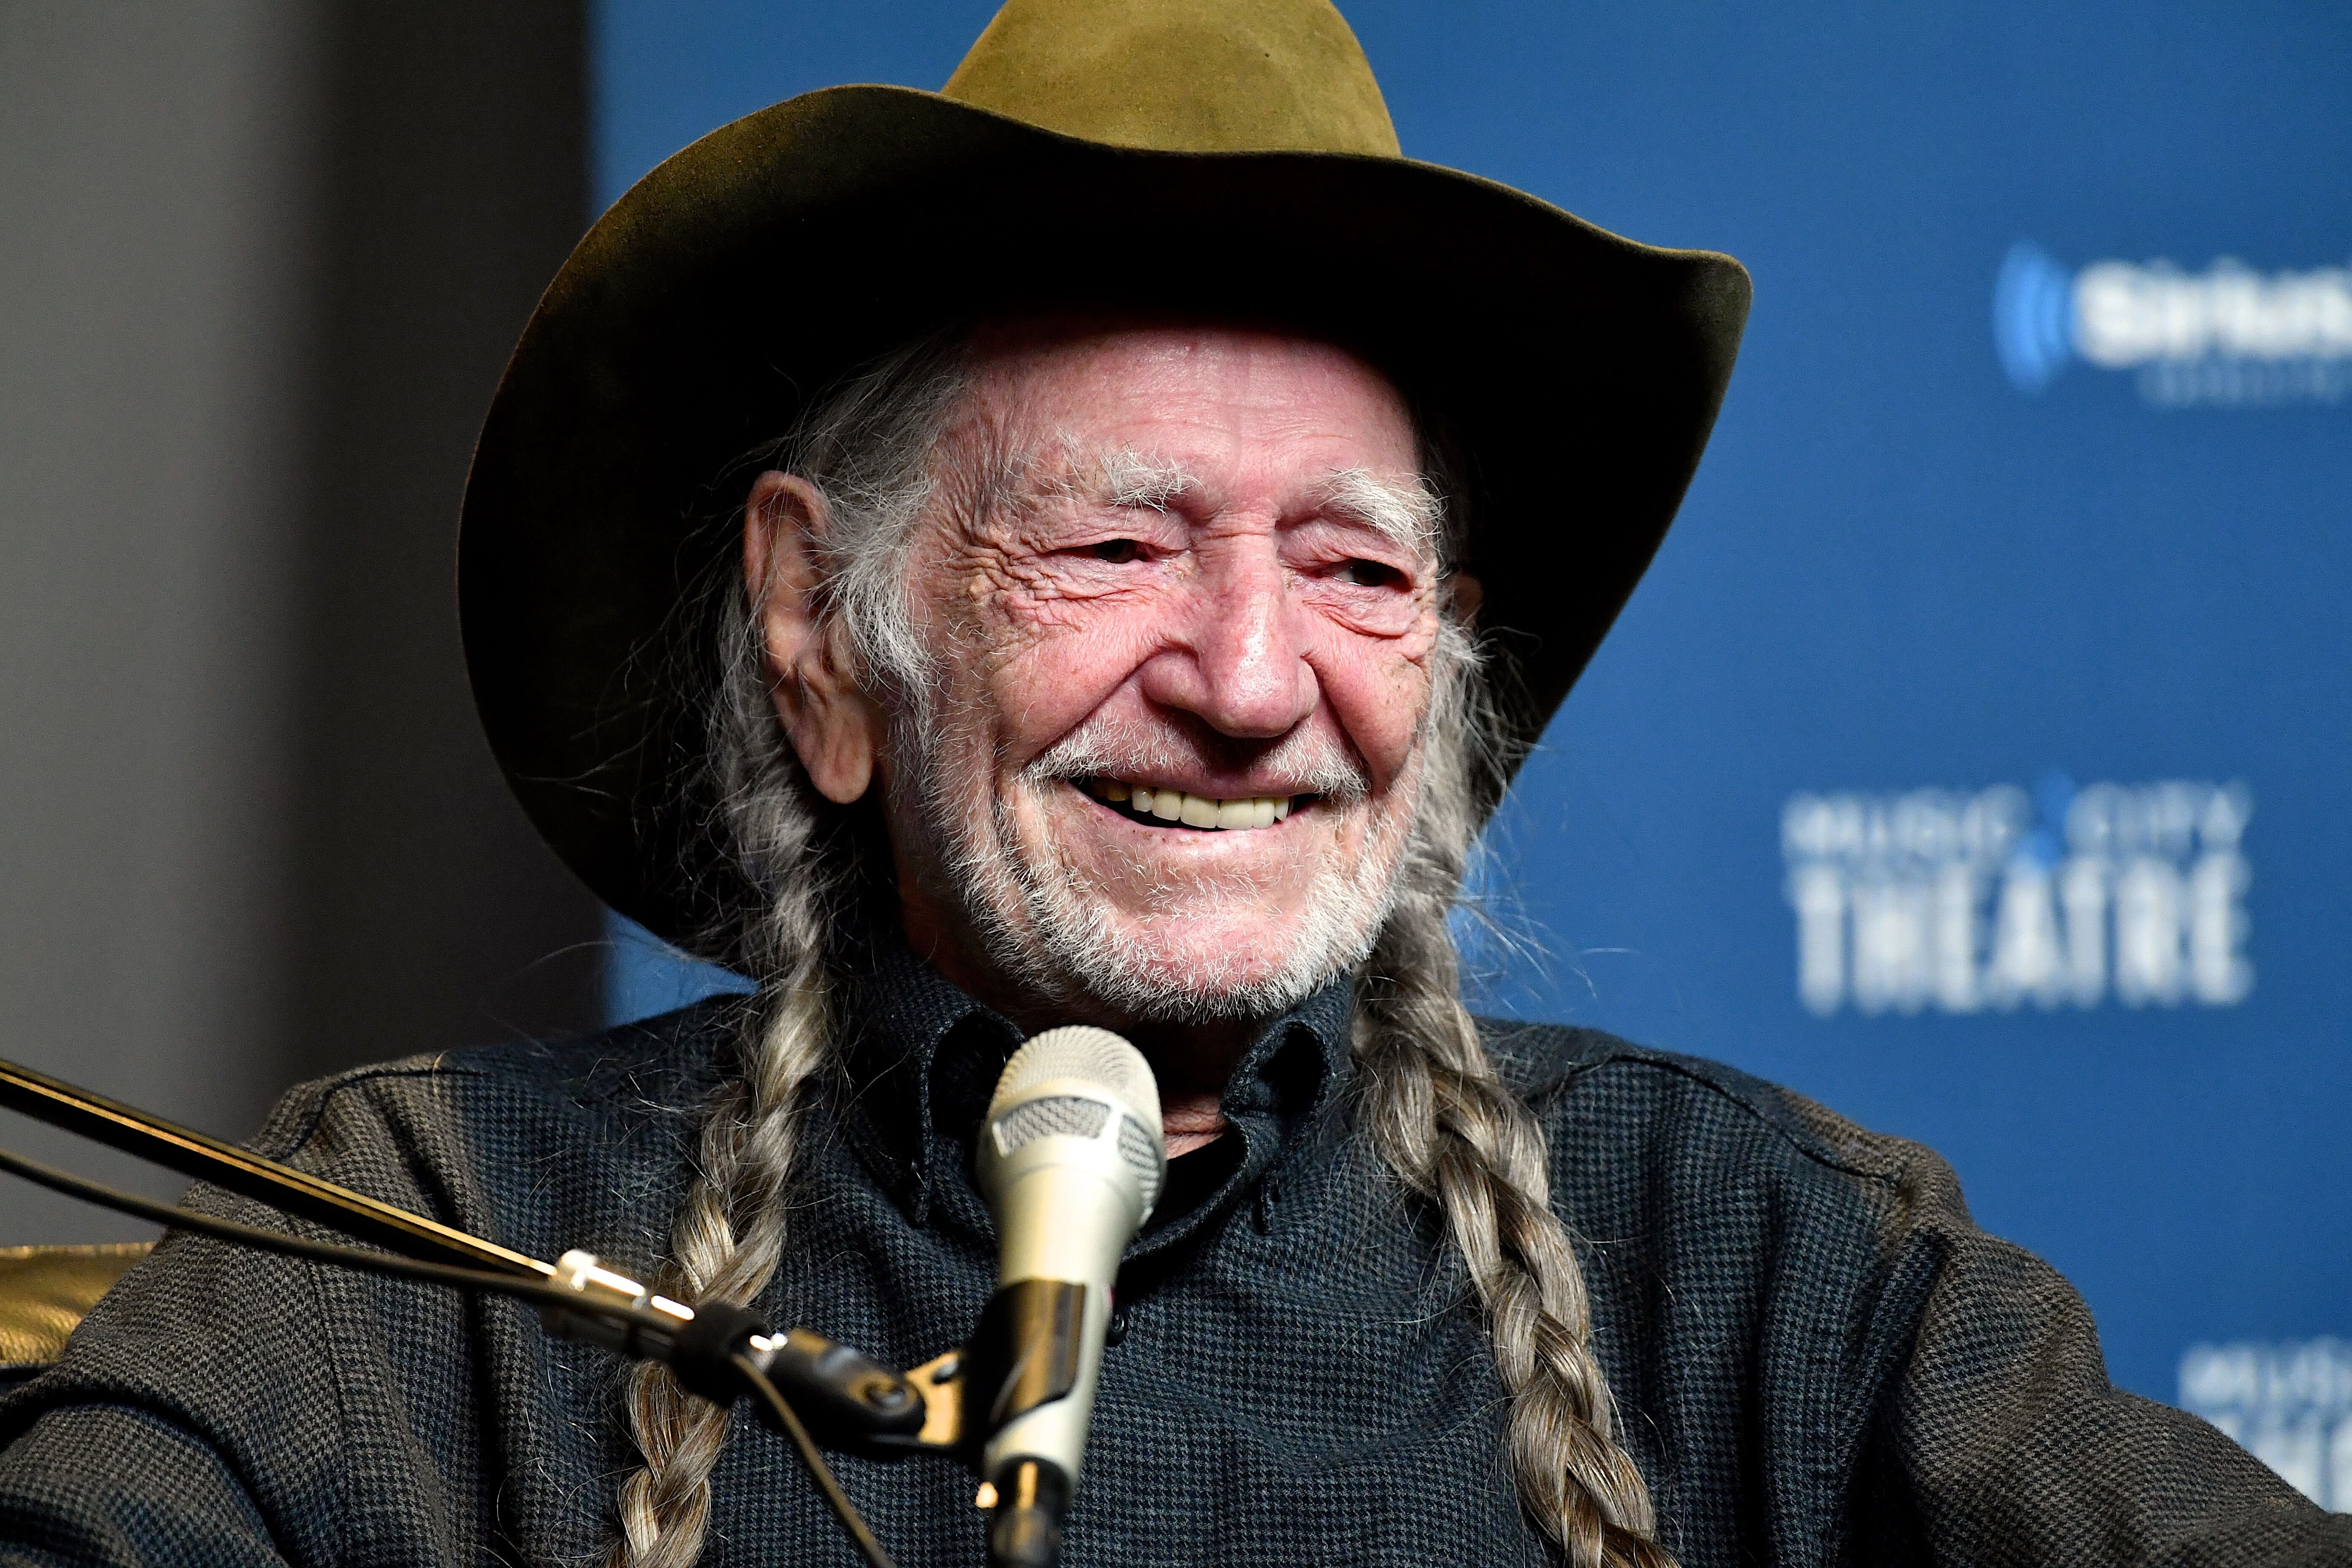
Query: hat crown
1182, 75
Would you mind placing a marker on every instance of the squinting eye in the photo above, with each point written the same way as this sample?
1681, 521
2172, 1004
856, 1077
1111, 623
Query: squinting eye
1117, 551
1372, 575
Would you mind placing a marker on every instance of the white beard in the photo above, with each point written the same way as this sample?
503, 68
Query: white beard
1047, 926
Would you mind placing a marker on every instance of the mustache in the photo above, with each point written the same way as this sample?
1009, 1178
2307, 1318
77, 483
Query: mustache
1303, 762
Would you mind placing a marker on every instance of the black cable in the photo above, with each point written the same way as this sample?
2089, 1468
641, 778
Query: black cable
842, 1509
341, 1257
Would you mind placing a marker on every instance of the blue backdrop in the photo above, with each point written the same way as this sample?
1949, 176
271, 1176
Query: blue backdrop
1973, 758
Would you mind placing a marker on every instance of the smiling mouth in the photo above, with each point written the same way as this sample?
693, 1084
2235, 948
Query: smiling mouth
1175, 808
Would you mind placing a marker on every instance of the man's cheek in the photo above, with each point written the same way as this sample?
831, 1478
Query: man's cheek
1037, 695
1076, 657
1380, 703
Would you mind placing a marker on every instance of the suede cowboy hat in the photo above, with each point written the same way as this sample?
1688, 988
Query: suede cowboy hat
1221, 157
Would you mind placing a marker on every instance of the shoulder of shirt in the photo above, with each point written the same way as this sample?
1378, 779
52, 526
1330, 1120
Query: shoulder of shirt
661, 1066
1553, 1065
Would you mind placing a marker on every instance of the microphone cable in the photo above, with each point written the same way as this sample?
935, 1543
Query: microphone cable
780, 1409
645, 1328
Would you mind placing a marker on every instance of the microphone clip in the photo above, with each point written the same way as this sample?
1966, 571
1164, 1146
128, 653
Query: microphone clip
1025, 1351
847, 1400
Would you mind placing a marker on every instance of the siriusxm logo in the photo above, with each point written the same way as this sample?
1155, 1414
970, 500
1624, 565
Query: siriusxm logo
1965, 903
2226, 335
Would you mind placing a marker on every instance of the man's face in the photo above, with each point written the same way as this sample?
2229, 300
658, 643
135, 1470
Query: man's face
1191, 564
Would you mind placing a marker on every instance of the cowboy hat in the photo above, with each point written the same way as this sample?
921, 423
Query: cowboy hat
1207, 157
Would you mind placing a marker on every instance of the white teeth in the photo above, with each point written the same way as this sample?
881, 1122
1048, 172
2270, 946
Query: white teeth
1193, 810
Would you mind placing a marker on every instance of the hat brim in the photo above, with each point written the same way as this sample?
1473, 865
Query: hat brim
1581, 370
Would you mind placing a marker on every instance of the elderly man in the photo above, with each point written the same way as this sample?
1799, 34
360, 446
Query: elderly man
1088, 547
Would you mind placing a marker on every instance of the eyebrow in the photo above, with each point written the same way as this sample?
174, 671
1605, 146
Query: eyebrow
1404, 514
1130, 477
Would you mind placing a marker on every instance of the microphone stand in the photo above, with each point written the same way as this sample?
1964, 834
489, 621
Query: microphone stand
247, 1174
820, 1392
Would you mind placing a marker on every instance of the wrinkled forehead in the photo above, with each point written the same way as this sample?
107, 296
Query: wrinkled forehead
1140, 405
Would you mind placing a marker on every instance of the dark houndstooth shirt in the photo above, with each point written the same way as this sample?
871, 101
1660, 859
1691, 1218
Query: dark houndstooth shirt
1818, 1358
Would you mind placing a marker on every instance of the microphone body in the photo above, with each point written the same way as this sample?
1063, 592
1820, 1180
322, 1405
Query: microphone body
1071, 1160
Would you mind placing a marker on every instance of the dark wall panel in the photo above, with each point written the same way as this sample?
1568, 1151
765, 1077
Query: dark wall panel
262, 265
424, 912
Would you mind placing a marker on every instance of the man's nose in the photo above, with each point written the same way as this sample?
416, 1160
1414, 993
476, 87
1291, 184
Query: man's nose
1240, 661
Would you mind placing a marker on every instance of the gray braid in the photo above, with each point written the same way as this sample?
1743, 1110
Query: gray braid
866, 446
724, 1243
1430, 1104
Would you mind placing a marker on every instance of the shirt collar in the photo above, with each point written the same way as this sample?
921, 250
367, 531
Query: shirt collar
922, 1058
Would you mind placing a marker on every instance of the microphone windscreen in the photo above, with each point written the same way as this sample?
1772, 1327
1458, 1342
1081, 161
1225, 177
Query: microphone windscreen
1038, 1094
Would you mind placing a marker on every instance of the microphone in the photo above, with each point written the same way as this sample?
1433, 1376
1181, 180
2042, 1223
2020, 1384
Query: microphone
1071, 1160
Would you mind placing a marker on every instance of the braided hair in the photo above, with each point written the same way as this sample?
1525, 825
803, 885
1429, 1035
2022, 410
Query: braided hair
866, 446
1428, 1099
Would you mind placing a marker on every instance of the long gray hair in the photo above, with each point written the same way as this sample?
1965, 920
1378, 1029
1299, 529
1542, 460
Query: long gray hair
1427, 1096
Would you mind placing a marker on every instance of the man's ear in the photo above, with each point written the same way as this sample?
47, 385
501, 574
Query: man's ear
836, 727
